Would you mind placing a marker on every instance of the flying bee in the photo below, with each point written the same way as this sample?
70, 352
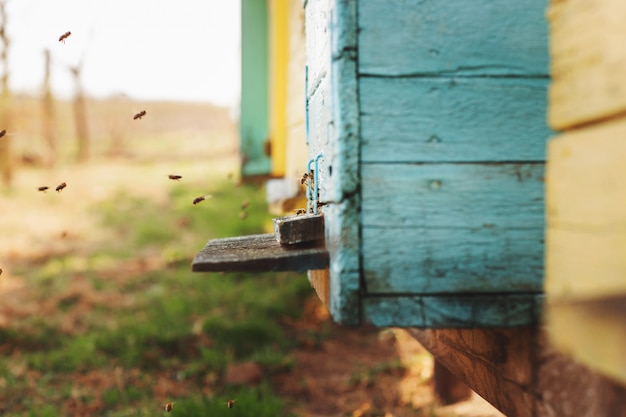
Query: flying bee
3, 132
200, 198
0, 271
139, 115
63, 37
230, 403
60, 187
42, 188
300, 211
245, 204
243, 215
169, 407
174, 177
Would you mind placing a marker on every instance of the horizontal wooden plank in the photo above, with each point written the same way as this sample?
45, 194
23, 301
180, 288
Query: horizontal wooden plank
258, 253
587, 61
598, 338
414, 260
585, 198
461, 119
507, 195
474, 37
307, 227
453, 311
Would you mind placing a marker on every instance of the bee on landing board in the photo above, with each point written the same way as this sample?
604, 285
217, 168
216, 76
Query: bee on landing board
63, 37
42, 188
139, 115
169, 407
60, 187
300, 212
174, 177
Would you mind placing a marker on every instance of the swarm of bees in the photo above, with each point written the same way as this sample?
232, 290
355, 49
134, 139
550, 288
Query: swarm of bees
63, 37
139, 115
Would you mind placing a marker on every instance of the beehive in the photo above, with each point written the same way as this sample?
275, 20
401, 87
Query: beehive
429, 117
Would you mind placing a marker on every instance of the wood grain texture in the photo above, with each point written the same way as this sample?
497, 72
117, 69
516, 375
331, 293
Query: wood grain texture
520, 373
258, 253
460, 311
586, 196
452, 228
452, 260
508, 195
463, 37
460, 119
587, 61
289, 230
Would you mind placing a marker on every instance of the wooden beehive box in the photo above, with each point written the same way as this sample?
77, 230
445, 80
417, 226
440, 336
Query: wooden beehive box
430, 119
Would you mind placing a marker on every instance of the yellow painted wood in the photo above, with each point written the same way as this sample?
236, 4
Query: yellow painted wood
279, 59
588, 61
586, 212
593, 333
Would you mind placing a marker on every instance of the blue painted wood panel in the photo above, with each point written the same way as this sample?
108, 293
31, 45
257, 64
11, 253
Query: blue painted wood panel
506, 195
461, 37
453, 311
452, 228
453, 119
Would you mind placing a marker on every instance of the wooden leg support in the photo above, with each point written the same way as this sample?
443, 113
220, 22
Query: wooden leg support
517, 371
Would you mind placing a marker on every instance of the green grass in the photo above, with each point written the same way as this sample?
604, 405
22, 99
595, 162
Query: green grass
151, 324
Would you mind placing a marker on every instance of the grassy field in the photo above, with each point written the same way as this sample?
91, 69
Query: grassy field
100, 314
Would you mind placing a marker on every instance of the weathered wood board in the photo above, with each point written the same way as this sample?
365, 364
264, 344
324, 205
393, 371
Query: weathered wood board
520, 373
460, 37
437, 119
588, 61
258, 253
460, 311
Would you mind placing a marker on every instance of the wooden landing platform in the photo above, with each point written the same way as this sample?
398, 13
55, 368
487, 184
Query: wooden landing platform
520, 373
259, 253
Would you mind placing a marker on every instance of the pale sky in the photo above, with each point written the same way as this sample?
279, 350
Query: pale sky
147, 49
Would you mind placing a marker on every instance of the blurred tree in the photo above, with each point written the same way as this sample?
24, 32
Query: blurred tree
6, 161
49, 128
80, 114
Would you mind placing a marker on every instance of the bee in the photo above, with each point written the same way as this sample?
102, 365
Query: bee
304, 178
245, 204
230, 403
139, 115
243, 215
174, 177
199, 199
42, 188
60, 187
0, 271
63, 37
169, 407
300, 211
3, 132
